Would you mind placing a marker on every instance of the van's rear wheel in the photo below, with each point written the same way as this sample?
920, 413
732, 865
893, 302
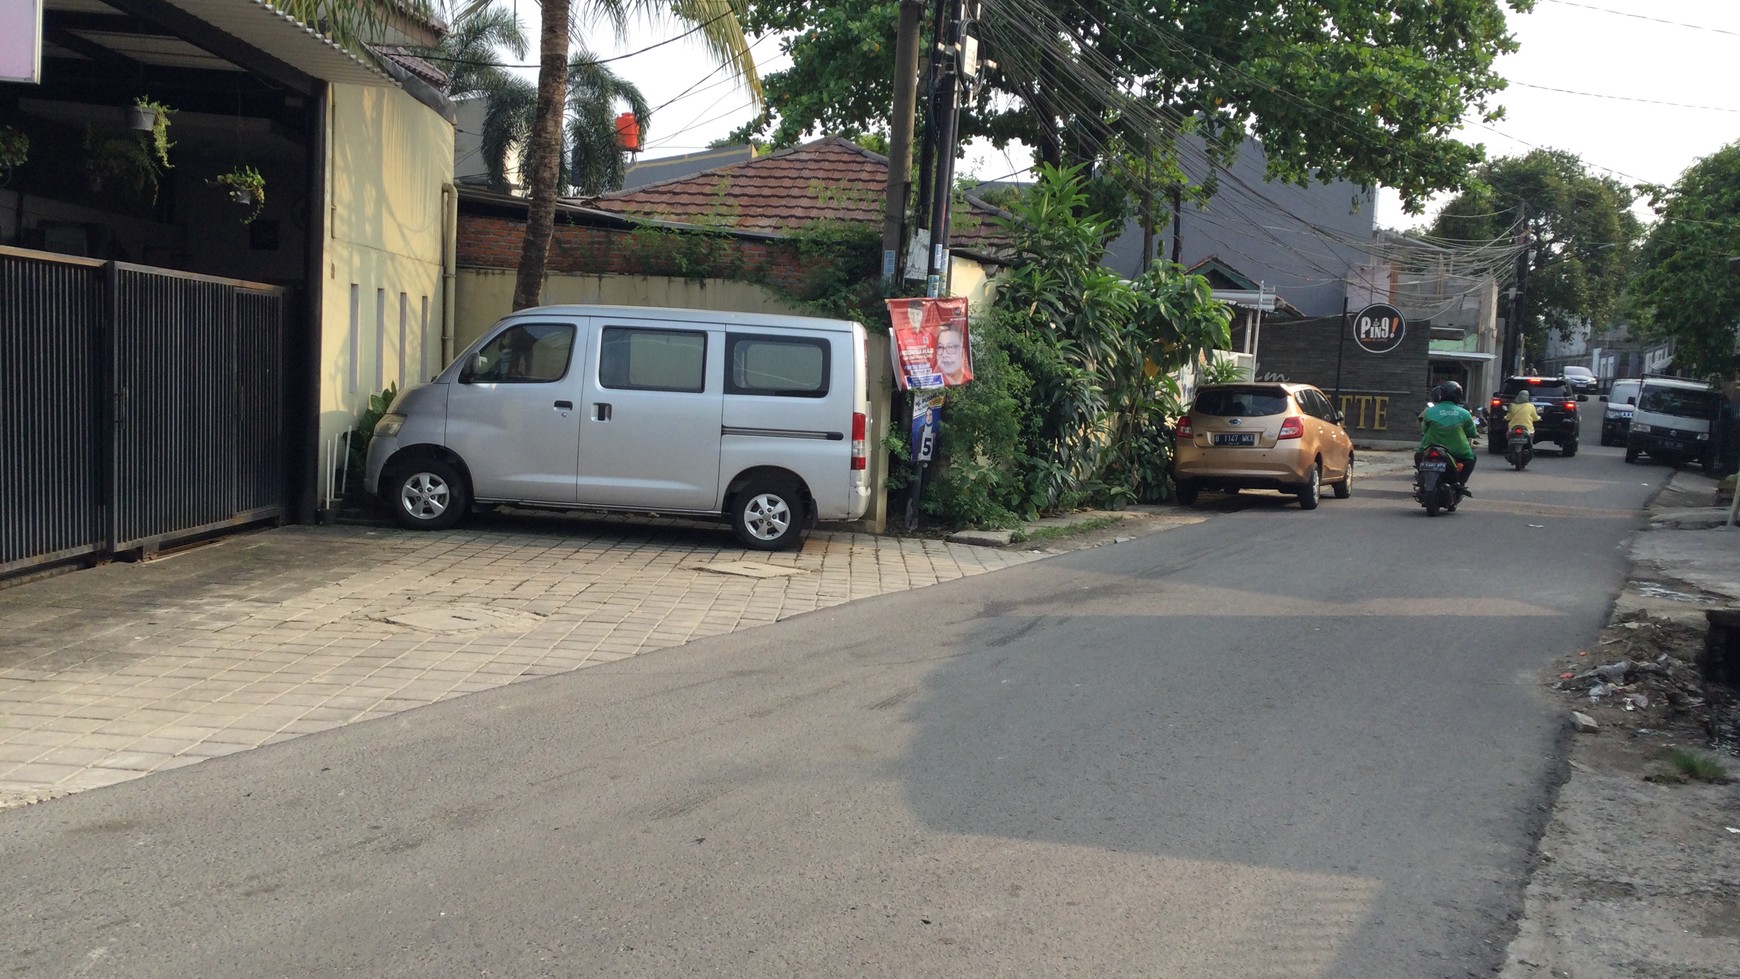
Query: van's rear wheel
428, 494
768, 514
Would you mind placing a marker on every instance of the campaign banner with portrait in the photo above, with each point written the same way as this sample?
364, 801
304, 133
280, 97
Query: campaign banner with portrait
930, 348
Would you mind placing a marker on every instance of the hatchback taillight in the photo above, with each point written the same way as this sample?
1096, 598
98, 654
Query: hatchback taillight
1570, 406
859, 426
1292, 428
1182, 430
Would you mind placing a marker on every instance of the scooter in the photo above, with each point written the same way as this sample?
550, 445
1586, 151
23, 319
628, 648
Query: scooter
1435, 481
1521, 447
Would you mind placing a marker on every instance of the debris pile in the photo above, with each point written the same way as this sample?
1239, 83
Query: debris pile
1653, 677
1639, 685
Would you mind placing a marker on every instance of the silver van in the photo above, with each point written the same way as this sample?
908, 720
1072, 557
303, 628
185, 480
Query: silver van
1672, 421
1616, 414
758, 418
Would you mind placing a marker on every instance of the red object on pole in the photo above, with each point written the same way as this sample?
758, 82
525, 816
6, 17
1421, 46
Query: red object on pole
628, 132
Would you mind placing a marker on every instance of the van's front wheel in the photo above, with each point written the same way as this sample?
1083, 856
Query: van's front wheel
768, 514
427, 494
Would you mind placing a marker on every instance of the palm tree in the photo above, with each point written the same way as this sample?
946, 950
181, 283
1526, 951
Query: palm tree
720, 31
593, 161
481, 30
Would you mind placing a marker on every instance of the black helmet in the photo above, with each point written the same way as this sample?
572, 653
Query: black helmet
1451, 392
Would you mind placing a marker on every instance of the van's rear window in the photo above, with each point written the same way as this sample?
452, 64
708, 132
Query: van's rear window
778, 366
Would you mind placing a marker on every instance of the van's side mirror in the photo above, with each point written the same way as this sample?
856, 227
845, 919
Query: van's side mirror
1604, 399
1582, 397
468, 373
1631, 401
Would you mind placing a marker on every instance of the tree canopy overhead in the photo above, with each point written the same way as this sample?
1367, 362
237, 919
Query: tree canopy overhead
1580, 230
1685, 289
1335, 89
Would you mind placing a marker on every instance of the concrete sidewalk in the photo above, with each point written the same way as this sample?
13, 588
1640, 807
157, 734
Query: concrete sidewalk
119, 671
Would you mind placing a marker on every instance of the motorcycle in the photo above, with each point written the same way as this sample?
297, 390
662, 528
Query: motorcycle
1435, 481
1521, 447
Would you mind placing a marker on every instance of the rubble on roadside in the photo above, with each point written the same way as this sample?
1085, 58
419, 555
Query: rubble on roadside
1655, 683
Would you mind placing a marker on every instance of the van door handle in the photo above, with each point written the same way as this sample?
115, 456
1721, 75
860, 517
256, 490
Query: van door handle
564, 406
601, 412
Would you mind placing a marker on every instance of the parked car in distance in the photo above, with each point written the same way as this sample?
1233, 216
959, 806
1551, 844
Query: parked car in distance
1554, 398
1583, 380
1616, 413
760, 419
1279, 436
1673, 421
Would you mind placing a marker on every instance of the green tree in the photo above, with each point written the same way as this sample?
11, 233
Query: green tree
1335, 89
593, 160
470, 52
1071, 394
721, 32
1582, 235
1685, 289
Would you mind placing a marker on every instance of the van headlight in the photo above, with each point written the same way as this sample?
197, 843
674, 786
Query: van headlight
1640, 429
389, 425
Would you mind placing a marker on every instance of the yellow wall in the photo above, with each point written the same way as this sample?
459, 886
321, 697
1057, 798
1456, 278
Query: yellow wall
486, 295
390, 156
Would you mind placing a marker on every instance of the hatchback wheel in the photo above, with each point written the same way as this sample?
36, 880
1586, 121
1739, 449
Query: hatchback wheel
1185, 492
1344, 486
1312, 491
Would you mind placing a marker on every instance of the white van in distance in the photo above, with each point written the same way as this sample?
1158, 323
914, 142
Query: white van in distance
759, 418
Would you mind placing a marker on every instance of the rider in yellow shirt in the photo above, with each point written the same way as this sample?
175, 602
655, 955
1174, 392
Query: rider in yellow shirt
1522, 411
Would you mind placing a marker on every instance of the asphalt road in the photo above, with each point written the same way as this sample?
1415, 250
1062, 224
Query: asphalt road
1274, 744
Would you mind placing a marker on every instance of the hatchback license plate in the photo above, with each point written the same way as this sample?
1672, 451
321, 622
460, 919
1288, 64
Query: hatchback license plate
1242, 438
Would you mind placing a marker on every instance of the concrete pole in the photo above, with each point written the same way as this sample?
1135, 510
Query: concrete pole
900, 137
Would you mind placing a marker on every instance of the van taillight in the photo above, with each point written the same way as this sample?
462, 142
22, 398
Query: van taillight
1292, 428
1183, 430
859, 425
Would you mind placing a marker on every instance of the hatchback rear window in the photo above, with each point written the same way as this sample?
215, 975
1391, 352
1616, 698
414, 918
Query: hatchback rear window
1242, 402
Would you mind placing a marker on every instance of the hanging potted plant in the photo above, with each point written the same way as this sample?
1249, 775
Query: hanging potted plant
146, 115
14, 150
117, 156
246, 187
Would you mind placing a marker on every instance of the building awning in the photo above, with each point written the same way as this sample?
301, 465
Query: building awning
1461, 355
278, 35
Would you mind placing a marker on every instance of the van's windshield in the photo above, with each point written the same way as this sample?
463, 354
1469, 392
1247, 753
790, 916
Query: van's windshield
1681, 402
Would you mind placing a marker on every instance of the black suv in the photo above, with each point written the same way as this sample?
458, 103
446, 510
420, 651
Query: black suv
1554, 397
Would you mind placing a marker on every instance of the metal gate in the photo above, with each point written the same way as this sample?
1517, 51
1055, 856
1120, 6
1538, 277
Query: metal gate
140, 406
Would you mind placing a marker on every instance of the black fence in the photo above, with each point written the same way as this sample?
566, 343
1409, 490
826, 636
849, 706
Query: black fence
139, 407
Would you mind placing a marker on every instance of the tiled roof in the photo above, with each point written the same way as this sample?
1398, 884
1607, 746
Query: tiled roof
411, 60
831, 179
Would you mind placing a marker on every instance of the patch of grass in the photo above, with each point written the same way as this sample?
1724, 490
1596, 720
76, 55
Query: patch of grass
1698, 765
1065, 530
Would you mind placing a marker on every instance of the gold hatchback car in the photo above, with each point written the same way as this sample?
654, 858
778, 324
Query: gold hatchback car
1285, 437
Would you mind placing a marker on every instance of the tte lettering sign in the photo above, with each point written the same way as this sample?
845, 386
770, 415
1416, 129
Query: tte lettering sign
1379, 328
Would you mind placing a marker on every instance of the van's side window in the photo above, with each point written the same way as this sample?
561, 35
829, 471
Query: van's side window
791, 367
653, 360
526, 353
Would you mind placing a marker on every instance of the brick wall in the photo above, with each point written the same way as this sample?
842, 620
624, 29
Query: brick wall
1381, 394
490, 241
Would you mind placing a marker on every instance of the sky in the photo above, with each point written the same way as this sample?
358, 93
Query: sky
1640, 89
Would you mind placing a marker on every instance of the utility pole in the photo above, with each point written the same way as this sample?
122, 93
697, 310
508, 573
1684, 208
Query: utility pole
947, 58
1513, 328
900, 137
